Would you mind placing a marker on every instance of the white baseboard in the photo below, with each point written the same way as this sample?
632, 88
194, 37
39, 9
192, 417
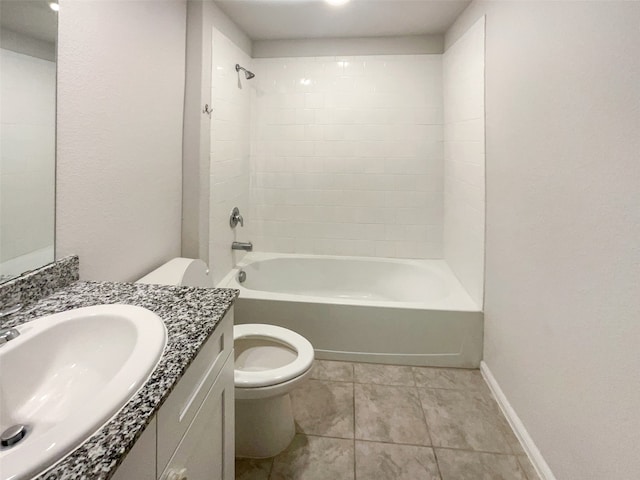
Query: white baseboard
536, 458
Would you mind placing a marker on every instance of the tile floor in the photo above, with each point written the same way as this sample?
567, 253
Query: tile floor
380, 422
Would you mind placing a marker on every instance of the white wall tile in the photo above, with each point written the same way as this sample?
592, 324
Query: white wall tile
230, 147
366, 161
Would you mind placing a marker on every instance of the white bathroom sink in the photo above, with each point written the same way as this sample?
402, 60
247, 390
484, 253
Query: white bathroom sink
66, 374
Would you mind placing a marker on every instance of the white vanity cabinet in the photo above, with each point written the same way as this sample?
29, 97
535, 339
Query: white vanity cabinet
192, 435
206, 451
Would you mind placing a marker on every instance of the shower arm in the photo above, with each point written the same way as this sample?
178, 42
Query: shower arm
248, 75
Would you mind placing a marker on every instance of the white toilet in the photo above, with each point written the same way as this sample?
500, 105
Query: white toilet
269, 362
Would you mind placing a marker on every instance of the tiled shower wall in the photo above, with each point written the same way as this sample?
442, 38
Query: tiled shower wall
230, 127
347, 155
464, 147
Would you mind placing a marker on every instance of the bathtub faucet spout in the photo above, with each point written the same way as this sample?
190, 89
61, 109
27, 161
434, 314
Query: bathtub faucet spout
246, 246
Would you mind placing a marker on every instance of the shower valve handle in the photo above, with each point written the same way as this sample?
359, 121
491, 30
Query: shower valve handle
236, 218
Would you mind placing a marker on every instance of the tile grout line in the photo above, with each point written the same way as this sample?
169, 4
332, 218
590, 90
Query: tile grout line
456, 449
435, 455
526, 474
353, 390
273, 460
395, 385
416, 389
427, 446
424, 417
395, 365
324, 436
502, 454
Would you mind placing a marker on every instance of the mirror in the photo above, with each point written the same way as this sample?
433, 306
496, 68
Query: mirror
28, 34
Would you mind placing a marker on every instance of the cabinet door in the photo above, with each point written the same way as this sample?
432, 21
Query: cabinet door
185, 400
206, 452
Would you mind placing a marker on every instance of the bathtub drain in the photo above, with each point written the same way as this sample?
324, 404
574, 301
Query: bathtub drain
13, 435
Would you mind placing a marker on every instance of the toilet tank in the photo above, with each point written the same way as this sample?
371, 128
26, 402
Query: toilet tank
186, 272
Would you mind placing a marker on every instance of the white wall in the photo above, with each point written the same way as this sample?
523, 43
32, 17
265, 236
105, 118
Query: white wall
120, 104
464, 192
319, 47
562, 298
230, 131
347, 155
27, 158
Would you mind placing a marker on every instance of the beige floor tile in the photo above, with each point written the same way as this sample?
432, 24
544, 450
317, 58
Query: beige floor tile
516, 446
389, 414
465, 419
465, 465
330, 370
456, 378
383, 374
386, 461
528, 468
315, 458
324, 408
250, 469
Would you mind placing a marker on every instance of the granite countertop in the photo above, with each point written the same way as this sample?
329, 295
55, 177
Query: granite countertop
190, 315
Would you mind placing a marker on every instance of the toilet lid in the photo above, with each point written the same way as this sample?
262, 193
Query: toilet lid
274, 376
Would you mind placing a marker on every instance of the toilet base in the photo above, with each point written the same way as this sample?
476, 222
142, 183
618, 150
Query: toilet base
264, 426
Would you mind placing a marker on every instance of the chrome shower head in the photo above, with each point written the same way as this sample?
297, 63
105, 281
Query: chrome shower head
247, 74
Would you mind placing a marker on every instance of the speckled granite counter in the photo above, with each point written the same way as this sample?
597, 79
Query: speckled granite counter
190, 314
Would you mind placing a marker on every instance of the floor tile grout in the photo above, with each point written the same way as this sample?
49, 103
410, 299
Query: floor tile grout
397, 385
273, 460
416, 389
439, 447
353, 390
395, 365
424, 417
512, 451
435, 455
470, 450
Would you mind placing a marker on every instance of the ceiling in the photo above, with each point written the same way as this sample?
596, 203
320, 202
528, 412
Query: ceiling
295, 19
32, 18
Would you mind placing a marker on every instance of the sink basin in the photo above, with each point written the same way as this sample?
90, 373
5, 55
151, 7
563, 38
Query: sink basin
69, 373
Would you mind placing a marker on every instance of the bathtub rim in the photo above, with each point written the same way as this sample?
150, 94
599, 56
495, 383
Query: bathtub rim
457, 300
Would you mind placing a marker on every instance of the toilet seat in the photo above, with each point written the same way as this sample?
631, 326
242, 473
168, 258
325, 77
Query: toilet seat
270, 377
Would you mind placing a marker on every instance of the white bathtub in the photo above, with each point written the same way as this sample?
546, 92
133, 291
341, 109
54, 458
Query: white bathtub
405, 312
